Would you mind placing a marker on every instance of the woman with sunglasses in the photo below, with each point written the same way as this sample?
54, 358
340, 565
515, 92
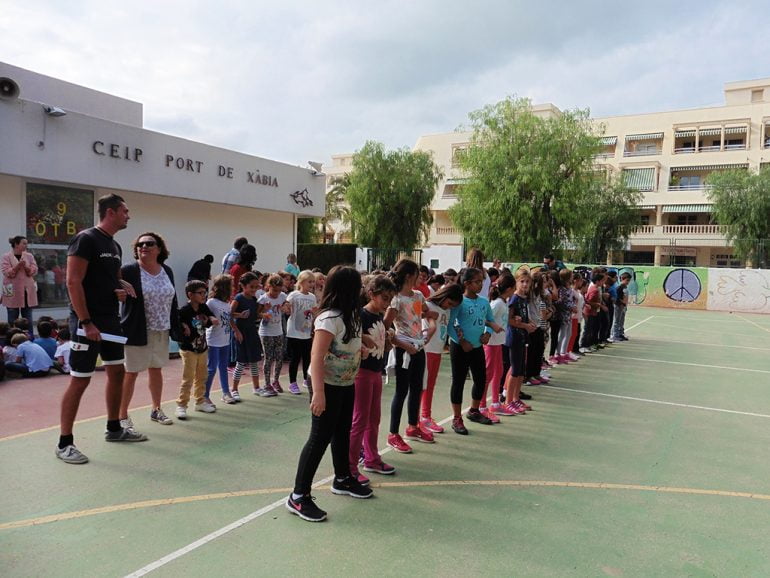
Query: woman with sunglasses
147, 321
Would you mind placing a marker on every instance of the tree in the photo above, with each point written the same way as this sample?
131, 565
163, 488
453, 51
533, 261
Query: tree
742, 203
530, 179
390, 193
608, 216
335, 208
307, 230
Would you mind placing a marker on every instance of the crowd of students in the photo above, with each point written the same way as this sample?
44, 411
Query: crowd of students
352, 332
29, 356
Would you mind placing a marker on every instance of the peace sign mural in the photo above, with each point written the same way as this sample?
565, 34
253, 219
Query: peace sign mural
682, 285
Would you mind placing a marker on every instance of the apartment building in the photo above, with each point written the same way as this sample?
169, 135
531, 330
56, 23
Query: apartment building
666, 155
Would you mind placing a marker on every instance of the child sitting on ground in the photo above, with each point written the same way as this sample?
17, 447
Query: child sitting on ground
62, 354
45, 338
31, 359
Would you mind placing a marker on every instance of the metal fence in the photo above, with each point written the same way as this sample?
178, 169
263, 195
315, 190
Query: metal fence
384, 259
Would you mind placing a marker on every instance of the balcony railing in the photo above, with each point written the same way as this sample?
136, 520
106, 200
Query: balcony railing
684, 150
710, 149
644, 230
735, 147
690, 188
447, 231
694, 229
642, 153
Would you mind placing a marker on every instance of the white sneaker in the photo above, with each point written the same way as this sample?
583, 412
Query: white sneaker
573, 357
127, 424
205, 407
181, 412
71, 455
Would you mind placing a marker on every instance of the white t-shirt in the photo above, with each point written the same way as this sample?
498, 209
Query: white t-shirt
271, 327
300, 323
342, 360
500, 312
63, 350
436, 343
409, 310
581, 301
219, 335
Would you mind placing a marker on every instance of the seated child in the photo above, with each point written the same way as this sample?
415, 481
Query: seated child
9, 351
62, 354
31, 360
45, 338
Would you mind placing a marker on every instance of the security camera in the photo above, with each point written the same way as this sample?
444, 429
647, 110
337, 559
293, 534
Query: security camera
54, 110
317, 168
8, 88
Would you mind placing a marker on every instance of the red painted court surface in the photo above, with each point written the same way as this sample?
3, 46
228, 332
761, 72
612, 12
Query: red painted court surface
648, 458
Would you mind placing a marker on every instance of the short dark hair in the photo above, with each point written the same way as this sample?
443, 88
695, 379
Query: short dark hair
194, 285
44, 329
162, 255
209, 258
64, 334
625, 275
106, 202
240, 242
16, 240
548, 257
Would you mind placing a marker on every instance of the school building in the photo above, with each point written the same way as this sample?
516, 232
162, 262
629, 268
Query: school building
668, 156
63, 146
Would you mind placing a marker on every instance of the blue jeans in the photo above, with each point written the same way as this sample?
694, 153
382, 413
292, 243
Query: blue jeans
26, 312
218, 359
619, 321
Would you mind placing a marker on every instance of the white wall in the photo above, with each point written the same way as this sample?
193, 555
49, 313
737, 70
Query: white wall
449, 256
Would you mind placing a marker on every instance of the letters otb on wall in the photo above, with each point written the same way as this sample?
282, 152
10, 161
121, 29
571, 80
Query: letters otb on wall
55, 214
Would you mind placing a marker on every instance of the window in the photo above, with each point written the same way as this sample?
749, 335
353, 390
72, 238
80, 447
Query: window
690, 181
54, 215
686, 219
757, 95
644, 220
457, 152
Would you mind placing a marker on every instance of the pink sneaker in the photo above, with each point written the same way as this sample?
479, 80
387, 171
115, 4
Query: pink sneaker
553, 360
535, 381
277, 387
501, 409
398, 444
573, 357
418, 434
523, 405
490, 413
514, 409
544, 379
430, 425
361, 478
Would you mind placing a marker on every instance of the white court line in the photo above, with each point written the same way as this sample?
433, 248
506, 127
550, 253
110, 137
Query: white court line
687, 405
708, 344
699, 330
754, 324
230, 527
681, 363
638, 324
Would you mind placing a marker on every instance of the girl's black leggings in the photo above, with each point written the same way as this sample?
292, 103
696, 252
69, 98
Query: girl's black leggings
332, 426
299, 350
535, 353
461, 362
408, 383
555, 327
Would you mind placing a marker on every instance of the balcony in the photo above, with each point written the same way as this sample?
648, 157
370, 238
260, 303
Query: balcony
642, 152
693, 235
701, 188
694, 230
445, 235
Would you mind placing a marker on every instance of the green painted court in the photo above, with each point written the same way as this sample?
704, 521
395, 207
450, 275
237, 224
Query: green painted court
646, 459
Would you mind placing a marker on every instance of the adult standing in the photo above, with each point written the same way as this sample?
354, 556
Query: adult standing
95, 288
147, 318
291, 265
552, 264
19, 268
201, 269
232, 255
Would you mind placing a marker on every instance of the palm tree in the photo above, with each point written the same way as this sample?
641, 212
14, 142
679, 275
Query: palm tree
336, 208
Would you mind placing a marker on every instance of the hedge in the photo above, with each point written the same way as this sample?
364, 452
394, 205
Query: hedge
312, 255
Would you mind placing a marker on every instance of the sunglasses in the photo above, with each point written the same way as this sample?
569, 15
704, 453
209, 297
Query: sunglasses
146, 244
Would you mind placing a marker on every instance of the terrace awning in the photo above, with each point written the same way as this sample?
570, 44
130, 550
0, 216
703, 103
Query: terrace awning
640, 179
735, 130
710, 131
701, 168
646, 136
646, 207
684, 133
700, 208
608, 140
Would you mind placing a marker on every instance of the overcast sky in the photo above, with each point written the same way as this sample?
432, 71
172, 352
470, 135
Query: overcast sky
300, 80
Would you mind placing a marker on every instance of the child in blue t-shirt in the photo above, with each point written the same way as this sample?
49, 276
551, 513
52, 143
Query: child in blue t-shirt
467, 330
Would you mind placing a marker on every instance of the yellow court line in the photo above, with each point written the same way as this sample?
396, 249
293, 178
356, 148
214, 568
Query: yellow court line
754, 324
515, 483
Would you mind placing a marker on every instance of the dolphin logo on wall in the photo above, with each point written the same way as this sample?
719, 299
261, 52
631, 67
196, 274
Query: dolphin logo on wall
302, 198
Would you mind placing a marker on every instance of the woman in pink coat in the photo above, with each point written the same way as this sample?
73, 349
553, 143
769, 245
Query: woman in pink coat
19, 268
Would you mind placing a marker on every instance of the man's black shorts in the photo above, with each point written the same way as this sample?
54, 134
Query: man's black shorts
84, 352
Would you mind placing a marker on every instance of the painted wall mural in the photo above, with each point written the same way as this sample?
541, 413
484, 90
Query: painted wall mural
745, 290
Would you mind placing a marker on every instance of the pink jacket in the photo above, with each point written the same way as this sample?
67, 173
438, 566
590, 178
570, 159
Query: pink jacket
20, 281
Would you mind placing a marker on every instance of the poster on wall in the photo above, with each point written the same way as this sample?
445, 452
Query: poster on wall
56, 213
746, 290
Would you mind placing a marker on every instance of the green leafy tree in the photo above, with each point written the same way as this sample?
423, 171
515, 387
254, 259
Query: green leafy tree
335, 207
529, 180
390, 193
608, 216
307, 230
742, 203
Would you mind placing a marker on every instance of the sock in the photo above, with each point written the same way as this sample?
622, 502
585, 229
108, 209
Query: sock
113, 425
65, 441
296, 497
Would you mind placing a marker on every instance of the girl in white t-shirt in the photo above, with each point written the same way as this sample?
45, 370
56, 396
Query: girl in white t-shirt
299, 328
218, 336
273, 305
493, 350
334, 363
439, 303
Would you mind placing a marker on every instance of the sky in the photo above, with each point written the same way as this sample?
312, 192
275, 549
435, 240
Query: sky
298, 80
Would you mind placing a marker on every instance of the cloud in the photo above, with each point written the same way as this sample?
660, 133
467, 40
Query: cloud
304, 80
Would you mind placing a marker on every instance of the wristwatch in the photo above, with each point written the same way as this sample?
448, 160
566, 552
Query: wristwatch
85, 322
